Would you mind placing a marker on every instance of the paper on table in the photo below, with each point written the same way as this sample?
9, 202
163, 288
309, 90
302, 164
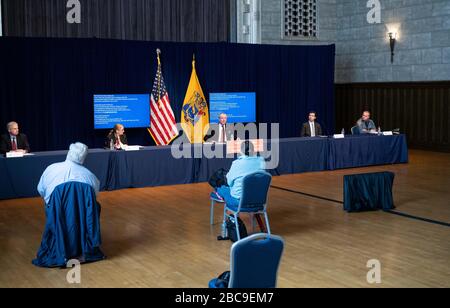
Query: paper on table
14, 154
132, 148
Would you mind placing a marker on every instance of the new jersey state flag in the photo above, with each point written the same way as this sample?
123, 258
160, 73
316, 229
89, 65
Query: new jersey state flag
195, 114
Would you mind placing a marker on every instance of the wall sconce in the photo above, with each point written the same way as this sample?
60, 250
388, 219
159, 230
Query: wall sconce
392, 40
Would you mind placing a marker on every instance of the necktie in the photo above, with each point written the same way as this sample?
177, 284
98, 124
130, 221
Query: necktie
14, 144
223, 134
313, 130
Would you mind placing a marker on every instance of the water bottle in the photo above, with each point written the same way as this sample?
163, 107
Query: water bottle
343, 131
111, 145
379, 131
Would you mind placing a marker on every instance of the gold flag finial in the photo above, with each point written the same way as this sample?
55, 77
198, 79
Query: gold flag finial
158, 53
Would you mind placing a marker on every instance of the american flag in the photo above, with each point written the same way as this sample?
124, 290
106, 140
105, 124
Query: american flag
163, 126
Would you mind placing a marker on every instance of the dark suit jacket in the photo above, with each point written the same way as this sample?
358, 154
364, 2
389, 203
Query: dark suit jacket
112, 137
213, 133
22, 143
306, 130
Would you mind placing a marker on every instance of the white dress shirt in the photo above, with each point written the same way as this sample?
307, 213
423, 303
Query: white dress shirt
222, 132
14, 140
313, 129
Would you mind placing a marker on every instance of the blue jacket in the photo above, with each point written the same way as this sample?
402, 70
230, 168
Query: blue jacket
72, 229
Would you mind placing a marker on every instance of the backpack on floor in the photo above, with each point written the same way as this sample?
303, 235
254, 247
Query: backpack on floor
231, 229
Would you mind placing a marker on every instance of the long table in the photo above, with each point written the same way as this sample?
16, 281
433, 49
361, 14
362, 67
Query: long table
156, 166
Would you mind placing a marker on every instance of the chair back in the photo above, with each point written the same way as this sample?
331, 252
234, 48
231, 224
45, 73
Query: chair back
255, 260
355, 130
73, 226
255, 188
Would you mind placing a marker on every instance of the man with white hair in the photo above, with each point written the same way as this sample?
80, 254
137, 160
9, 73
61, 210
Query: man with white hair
13, 141
71, 170
220, 132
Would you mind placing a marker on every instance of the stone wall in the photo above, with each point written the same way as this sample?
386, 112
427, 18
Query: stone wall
422, 51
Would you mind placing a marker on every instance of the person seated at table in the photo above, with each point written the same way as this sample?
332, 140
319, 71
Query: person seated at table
311, 128
220, 133
365, 124
246, 164
116, 138
13, 141
71, 170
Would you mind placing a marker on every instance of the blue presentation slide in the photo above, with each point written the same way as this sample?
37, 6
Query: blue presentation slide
130, 110
240, 107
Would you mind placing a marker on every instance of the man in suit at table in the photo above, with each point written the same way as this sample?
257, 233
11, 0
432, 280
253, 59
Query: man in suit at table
311, 128
13, 141
221, 132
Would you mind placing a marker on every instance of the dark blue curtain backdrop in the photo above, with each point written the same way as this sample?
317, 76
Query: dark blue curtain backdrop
47, 85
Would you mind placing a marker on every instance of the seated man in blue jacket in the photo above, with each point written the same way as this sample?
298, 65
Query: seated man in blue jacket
246, 164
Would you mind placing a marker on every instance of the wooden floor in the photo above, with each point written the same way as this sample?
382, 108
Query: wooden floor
161, 237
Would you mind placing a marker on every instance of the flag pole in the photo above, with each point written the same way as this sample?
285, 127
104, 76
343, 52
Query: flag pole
158, 53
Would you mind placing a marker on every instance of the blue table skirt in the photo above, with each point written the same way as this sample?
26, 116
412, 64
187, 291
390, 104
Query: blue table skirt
149, 167
299, 155
368, 192
20, 176
366, 150
155, 166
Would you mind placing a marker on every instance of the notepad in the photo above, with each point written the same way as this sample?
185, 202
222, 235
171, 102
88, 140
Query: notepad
339, 136
14, 154
132, 148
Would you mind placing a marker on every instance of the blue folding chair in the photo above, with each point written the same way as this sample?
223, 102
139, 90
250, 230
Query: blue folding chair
254, 262
255, 188
355, 130
215, 198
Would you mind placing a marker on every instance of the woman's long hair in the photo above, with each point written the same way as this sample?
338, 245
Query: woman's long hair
113, 131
